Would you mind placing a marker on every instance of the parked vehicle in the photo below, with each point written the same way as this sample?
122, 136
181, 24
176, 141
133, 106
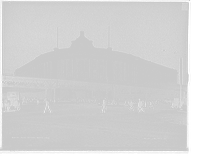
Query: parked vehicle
175, 103
12, 101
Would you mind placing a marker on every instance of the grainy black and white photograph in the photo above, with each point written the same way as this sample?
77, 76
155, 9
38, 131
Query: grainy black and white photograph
94, 76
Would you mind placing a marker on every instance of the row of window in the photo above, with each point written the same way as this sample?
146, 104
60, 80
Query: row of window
84, 69
96, 69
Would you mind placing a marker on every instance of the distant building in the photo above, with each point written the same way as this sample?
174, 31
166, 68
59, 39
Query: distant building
83, 62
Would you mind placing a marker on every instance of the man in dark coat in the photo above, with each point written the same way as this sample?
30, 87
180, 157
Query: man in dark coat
140, 106
46, 105
104, 106
131, 105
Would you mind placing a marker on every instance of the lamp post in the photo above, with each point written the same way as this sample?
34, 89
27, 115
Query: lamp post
107, 75
107, 63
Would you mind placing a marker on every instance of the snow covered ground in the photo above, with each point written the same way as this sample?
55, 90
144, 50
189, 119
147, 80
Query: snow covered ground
85, 128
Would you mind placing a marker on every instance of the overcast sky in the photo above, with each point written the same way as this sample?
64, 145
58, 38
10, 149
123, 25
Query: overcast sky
153, 31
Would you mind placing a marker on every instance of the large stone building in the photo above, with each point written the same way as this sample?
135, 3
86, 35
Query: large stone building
83, 62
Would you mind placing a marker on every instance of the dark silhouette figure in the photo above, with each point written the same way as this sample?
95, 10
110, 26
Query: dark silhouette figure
151, 105
145, 103
104, 106
131, 105
38, 101
140, 106
46, 105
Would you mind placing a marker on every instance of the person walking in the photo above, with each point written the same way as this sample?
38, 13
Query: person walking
145, 103
38, 101
46, 105
131, 105
151, 105
104, 106
140, 106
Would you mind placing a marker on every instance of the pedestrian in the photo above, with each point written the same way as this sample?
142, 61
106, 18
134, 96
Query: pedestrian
131, 105
140, 106
104, 102
145, 103
37, 101
46, 105
151, 105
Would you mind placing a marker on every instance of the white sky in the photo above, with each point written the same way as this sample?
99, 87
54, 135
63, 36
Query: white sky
153, 31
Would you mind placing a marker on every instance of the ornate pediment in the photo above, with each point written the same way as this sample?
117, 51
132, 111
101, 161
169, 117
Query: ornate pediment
81, 43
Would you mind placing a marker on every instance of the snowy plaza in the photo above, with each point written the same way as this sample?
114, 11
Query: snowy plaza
81, 126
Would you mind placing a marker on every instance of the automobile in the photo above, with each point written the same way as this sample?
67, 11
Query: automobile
175, 103
12, 101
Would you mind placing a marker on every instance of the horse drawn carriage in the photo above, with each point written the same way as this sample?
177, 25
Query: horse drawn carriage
12, 101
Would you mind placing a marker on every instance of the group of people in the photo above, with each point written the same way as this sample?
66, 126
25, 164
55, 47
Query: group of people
140, 105
133, 105
104, 103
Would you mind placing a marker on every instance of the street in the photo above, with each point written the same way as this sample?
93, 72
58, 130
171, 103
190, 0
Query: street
85, 128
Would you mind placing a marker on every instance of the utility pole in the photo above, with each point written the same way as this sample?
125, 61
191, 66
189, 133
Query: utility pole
107, 63
180, 81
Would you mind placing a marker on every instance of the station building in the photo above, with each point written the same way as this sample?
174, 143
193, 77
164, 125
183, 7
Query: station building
83, 62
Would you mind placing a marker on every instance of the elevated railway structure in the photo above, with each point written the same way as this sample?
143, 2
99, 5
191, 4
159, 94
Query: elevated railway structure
52, 86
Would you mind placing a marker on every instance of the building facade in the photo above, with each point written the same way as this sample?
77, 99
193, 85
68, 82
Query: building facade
83, 62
